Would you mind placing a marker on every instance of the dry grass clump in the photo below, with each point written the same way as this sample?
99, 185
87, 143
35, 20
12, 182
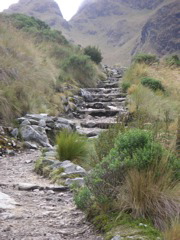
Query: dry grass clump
157, 110
172, 233
144, 194
27, 78
37, 65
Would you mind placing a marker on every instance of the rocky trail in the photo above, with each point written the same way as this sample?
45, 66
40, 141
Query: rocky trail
101, 107
30, 207
40, 211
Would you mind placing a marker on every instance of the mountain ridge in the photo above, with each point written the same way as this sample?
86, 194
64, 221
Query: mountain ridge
117, 27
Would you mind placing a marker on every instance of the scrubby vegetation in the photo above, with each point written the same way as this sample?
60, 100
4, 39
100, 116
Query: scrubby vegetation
152, 83
173, 61
94, 53
136, 179
38, 67
145, 58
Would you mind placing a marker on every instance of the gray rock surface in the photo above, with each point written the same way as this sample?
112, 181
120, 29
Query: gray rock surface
35, 134
44, 214
7, 202
77, 181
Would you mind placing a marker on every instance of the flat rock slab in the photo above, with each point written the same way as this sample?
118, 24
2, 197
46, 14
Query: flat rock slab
31, 187
6, 202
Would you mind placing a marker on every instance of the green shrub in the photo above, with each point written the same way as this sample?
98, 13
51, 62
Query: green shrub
152, 83
83, 198
105, 141
173, 60
94, 53
145, 58
125, 86
40, 29
71, 146
133, 149
81, 69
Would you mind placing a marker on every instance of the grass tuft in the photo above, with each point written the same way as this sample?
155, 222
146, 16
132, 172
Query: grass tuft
146, 195
71, 146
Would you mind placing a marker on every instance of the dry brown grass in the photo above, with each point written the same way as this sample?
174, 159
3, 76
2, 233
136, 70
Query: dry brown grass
27, 75
157, 109
149, 195
173, 233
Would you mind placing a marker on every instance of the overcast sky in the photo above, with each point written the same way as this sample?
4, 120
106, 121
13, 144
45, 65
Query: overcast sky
68, 7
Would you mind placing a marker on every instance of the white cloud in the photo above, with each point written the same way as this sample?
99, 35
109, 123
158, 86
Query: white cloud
68, 7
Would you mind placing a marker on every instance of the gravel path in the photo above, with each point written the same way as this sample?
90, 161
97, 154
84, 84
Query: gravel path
42, 214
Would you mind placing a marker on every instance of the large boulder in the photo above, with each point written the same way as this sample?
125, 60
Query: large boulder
35, 134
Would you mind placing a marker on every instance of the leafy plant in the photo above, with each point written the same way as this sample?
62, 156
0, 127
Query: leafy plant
152, 84
105, 141
83, 198
145, 58
94, 53
71, 146
125, 86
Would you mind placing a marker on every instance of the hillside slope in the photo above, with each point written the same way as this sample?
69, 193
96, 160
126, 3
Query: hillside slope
38, 68
46, 10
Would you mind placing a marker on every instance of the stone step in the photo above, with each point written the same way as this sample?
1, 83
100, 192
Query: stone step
89, 132
103, 90
98, 124
99, 105
105, 99
106, 95
108, 85
101, 112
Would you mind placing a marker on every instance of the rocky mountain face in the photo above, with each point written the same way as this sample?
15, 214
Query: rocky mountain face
120, 28
46, 10
161, 32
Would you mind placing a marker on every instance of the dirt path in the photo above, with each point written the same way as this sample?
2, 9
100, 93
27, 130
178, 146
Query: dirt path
42, 214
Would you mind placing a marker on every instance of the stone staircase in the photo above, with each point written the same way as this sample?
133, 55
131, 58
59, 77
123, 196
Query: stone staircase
101, 107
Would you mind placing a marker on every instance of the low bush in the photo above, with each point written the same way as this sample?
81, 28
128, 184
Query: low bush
83, 198
136, 149
132, 149
38, 28
172, 233
125, 86
173, 61
71, 146
145, 58
81, 69
134, 172
152, 83
105, 141
94, 53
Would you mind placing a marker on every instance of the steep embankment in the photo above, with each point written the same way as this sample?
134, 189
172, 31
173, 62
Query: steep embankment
38, 67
